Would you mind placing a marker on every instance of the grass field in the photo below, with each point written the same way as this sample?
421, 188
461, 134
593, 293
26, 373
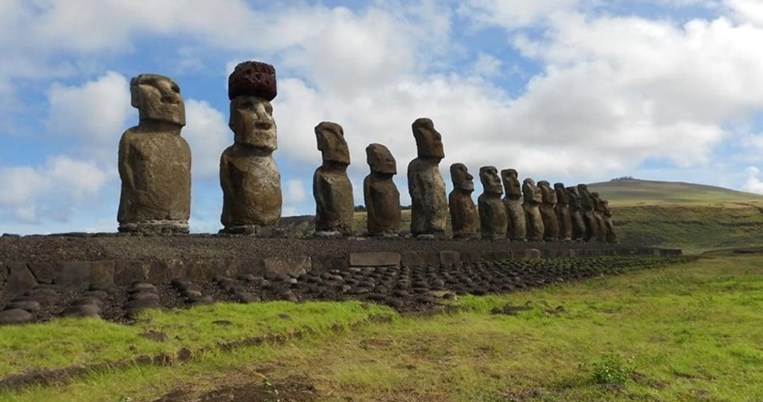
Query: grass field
683, 332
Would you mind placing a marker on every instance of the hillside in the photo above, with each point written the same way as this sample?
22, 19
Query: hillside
642, 192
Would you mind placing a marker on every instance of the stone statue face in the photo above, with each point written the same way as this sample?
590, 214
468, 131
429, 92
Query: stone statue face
511, 183
582, 188
331, 143
251, 119
157, 98
380, 159
572, 197
561, 194
491, 184
461, 178
428, 140
547, 193
531, 192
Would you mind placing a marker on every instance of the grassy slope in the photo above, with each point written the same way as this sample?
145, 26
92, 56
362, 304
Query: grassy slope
686, 332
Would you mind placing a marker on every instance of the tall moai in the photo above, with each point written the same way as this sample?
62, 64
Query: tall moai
380, 193
332, 190
586, 210
610, 225
155, 161
463, 211
562, 210
249, 177
598, 214
517, 222
429, 208
532, 200
576, 215
547, 212
493, 219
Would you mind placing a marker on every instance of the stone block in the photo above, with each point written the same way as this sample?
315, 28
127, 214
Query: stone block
205, 270
102, 274
324, 263
498, 255
19, 280
375, 259
470, 257
242, 266
532, 253
42, 271
420, 258
292, 265
72, 274
126, 272
450, 258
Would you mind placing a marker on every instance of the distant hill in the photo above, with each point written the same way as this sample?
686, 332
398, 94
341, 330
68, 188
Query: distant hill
639, 192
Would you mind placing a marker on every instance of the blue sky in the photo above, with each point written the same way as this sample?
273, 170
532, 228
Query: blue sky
562, 90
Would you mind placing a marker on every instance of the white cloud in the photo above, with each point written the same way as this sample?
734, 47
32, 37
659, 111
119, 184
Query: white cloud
95, 112
753, 183
750, 11
51, 191
513, 14
208, 135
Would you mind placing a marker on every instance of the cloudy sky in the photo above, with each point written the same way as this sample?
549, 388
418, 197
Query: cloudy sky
562, 90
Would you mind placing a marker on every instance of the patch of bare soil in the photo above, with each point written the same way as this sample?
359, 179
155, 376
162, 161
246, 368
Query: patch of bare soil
289, 389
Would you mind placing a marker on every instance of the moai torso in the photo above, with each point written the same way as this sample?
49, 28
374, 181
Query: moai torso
532, 200
547, 212
155, 161
249, 177
598, 214
611, 236
563, 212
429, 208
332, 190
517, 222
463, 212
380, 193
578, 224
493, 220
586, 210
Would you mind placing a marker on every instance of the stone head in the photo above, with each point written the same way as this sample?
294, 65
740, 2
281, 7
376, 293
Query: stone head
561, 194
511, 184
547, 193
428, 140
380, 159
573, 198
491, 183
582, 188
531, 192
251, 119
331, 143
462, 179
157, 98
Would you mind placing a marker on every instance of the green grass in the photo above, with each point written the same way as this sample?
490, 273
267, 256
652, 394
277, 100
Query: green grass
683, 332
646, 192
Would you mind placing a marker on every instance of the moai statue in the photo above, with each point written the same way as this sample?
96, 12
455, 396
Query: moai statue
586, 210
563, 212
334, 205
611, 236
548, 213
493, 220
576, 216
429, 208
517, 222
249, 177
463, 212
598, 214
380, 193
155, 161
532, 200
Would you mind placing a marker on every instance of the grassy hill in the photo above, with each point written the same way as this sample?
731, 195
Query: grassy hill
646, 192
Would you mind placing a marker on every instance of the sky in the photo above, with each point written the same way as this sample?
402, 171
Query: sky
576, 91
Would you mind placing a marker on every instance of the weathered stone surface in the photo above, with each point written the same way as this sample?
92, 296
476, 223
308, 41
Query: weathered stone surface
429, 208
419, 258
449, 258
127, 272
72, 274
532, 253
598, 214
608, 223
493, 219
15, 316
515, 214
586, 210
332, 190
532, 200
578, 224
375, 259
82, 310
155, 161
380, 193
31, 306
547, 212
249, 177
562, 210
253, 78
293, 266
20, 279
42, 270
463, 211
